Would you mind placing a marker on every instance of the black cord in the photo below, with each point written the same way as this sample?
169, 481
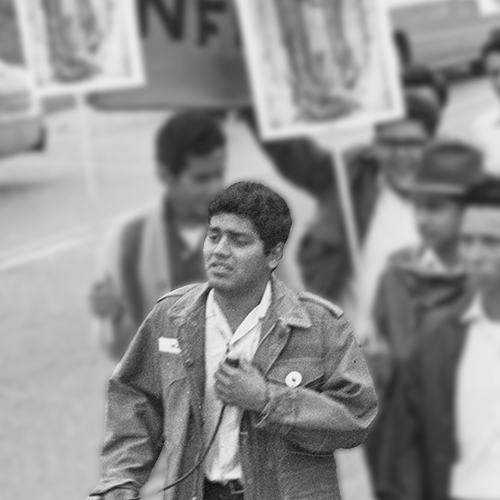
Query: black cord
200, 461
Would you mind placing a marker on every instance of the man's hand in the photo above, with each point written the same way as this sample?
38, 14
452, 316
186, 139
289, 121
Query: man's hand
243, 387
105, 302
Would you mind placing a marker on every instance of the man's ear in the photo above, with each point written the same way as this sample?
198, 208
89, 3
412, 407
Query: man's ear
275, 256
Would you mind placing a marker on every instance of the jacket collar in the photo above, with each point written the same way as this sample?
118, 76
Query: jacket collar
189, 313
285, 305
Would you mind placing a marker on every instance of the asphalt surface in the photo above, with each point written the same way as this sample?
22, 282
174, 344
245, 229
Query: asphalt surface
54, 211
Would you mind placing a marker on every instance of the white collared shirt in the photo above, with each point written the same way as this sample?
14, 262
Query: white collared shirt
476, 474
223, 463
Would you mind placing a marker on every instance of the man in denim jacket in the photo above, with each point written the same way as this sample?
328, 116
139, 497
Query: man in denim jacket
249, 386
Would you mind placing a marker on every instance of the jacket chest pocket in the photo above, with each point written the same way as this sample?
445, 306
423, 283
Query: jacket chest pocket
301, 372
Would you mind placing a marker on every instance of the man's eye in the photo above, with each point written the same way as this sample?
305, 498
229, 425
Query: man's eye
213, 237
241, 242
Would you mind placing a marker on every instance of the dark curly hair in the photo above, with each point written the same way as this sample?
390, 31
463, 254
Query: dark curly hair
266, 209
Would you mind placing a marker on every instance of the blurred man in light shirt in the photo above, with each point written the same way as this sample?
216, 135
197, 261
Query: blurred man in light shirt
446, 426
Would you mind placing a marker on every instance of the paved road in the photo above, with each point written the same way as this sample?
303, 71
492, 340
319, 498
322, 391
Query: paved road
52, 377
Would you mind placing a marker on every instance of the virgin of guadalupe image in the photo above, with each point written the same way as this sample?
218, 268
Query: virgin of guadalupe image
326, 46
76, 30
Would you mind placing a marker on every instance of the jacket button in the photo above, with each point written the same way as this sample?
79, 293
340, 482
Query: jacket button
189, 362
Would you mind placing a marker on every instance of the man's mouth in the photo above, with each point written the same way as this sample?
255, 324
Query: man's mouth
219, 266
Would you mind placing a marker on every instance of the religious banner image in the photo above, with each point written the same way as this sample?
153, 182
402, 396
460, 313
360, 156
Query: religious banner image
81, 45
318, 64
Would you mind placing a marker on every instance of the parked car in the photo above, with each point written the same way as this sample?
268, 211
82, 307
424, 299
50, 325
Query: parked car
21, 122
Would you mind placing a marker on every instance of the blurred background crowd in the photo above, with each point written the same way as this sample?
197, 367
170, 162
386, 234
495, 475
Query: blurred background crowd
81, 265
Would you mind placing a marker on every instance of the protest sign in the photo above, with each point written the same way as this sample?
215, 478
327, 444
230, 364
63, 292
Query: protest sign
192, 56
78, 46
319, 64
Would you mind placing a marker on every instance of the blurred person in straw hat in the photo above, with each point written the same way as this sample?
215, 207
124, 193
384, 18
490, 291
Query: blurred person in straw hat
422, 284
445, 432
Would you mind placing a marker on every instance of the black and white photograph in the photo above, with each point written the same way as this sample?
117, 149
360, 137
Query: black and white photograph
270, 271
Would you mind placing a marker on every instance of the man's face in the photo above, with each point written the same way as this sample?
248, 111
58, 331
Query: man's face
480, 246
438, 219
399, 148
195, 187
234, 255
492, 66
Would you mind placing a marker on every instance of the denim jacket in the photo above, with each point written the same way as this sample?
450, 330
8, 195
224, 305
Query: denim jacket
155, 399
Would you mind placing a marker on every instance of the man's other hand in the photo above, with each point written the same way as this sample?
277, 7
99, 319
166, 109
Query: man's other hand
105, 302
243, 387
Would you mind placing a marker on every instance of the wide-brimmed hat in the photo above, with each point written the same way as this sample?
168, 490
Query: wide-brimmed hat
448, 168
486, 193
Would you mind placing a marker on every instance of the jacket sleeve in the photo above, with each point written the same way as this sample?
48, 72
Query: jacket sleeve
341, 413
134, 415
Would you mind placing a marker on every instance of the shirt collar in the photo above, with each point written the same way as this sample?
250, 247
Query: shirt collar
430, 261
260, 310
475, 312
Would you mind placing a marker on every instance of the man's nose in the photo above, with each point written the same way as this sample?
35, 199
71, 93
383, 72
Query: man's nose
222, 247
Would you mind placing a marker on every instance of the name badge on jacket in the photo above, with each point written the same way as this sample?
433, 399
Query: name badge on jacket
169, 345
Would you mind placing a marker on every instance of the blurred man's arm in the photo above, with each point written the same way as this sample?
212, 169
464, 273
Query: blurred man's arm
114, 326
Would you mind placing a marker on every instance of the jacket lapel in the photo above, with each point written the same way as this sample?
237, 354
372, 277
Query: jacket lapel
188, 314
285, 312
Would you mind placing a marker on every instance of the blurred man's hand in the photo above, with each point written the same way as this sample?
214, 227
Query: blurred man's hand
105, 301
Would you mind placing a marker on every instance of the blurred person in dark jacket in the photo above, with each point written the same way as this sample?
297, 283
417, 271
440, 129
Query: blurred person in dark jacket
295, 388
445, 432
160, 249
384, 218
425, 284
